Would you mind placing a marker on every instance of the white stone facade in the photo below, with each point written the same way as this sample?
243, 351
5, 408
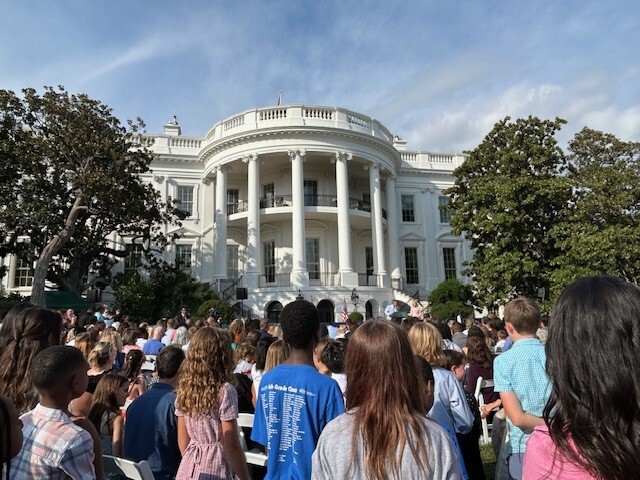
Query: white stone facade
316, 201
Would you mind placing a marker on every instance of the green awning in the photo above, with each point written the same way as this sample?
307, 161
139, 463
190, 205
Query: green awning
58, 299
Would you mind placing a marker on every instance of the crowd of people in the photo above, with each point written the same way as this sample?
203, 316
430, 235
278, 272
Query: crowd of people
391, 398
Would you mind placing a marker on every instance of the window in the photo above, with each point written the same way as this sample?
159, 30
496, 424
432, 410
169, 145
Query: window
449, 256
411, 265
268, 195
269, 261
445, 211
311, 193
368, 260
185, 199
408, 210
133, 261
233, 197
23, 274
312, 246
233, 259
183, 257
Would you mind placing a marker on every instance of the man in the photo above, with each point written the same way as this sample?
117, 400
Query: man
458, 338
391, 309
172, 326
152, 428
295, 401
183, 316
154, 344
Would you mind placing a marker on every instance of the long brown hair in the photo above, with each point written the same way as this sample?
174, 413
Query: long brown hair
388, 409
478, 352
105, 399
207, 368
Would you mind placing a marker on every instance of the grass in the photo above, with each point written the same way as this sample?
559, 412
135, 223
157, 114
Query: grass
488, 461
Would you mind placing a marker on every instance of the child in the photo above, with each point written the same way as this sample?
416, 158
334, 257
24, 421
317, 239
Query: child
502, 337
131, 371
295, 401
53, 445
333, 357
207, 409
111, 394
11, 438
520, 377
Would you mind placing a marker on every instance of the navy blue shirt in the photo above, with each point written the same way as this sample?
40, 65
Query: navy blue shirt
151, 431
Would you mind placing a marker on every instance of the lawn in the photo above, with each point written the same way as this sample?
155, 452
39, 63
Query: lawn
488, 460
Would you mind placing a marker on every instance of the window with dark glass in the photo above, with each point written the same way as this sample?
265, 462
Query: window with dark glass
368, 260
233, 259
269, 256
311, 193
23, 274
133, 261
268, 195
408, 209
449, 257
185, 199
233, 197
312, 246
445, 211
411, 265
183, 257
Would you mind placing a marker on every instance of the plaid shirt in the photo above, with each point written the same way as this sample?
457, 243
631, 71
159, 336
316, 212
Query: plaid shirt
54, 447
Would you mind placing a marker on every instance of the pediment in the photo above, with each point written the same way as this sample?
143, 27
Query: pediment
413, 236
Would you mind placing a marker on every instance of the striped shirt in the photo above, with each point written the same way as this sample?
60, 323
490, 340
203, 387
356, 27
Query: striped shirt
54, 447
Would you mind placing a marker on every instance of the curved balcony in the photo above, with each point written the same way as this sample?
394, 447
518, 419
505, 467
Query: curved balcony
279, 201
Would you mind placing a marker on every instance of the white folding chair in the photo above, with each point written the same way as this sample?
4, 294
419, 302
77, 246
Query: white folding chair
253, 456
128, 468
481, 384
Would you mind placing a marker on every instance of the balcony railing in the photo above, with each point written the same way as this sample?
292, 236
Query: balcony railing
366, 280
309, 201
325, 279
239, 206
275, 280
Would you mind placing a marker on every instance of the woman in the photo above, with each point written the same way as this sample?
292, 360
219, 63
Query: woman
110, 395
100, 362
416, 310
257, 370
396, 441
131, 371
278, 352
207, 409
449, 406
32, 330
592, 419
480, 361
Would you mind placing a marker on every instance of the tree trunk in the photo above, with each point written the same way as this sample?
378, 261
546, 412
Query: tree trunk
53, 247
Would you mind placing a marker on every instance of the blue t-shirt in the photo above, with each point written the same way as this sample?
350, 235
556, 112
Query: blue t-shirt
152, 347
151, 433
295, 402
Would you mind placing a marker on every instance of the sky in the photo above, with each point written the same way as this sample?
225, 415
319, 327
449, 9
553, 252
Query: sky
439, 74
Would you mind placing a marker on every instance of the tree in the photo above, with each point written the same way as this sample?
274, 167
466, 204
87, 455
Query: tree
450, 299
600, 230
505, 200
71, 182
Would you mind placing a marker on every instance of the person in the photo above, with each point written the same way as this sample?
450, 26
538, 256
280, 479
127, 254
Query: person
543, 331
11, 438
295, 401
592, 418
207, 409
257, 370
458, 337
520, 376
152, 426
154, 344
480, 364
110, 395
180, 338
391, 309
317, 356
445, 333
55, 447
131, 371
333, 358
416, 310
397, 441
172, 327
101, 361
502, 338
449, 407
237, 331
183, 316
33, 330
6, 327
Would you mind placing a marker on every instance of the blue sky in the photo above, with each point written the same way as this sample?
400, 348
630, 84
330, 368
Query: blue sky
437, 73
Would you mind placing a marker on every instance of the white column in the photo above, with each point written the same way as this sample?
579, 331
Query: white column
252, 273
299, 275
393, 231
348, 278
220, 237
376, 222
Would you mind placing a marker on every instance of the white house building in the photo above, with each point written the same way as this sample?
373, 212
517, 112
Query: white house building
310, 201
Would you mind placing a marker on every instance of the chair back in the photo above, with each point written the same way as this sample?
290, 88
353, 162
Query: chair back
127, 468
254, 456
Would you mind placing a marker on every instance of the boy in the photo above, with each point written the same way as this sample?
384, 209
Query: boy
520, 377
295, 401
54, 447
152, 425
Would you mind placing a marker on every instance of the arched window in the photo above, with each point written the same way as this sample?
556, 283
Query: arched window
273, 312
326, 311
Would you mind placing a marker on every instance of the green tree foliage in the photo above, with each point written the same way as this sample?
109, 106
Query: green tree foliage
70, 182
450, 299
218, 307
599, 232
506, 198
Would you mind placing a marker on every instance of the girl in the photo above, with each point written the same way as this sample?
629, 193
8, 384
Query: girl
131, 371
257, 370
396, 441
592, 419
278, 352
111, 394
480, 360
11, 437
101, 361
207, 408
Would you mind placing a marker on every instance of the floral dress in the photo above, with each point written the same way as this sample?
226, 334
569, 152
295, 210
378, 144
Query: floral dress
205, 456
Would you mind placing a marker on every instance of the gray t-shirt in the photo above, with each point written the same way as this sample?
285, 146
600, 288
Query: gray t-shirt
332, 457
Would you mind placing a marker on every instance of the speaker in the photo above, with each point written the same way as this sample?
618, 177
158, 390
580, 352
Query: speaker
241, 293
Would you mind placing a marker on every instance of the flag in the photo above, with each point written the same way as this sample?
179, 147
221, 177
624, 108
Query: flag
345, 315
280, 98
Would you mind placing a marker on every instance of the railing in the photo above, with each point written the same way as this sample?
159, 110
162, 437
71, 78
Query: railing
357, 204
325, 279
233, 122
367, 280
431, 160
310, 200
318, 112
183, 142
230, 292
239, 206
275, 280
273, 114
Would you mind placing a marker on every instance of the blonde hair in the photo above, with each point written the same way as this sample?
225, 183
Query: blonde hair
244, 351
84, 343
236, 327
207, 368
99, 356
278, 352
426, 342
112, 337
